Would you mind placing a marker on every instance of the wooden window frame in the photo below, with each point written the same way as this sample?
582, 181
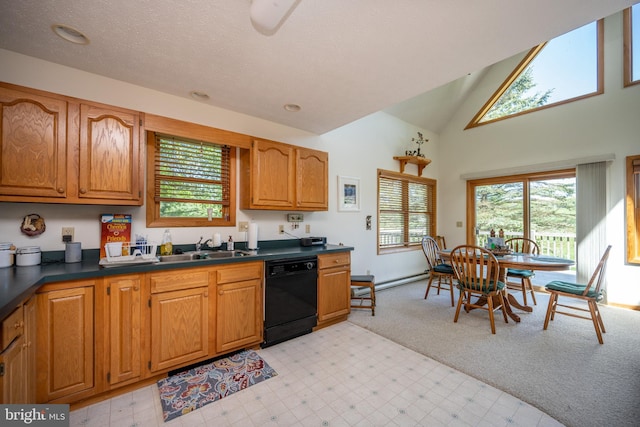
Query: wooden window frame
627, 18
529, 57
406, 245
633, 209
191, 131
525, 179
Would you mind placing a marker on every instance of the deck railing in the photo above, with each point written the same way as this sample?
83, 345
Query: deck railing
562, 245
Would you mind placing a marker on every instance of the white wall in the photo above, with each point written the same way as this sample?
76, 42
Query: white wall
355, 150
608, 123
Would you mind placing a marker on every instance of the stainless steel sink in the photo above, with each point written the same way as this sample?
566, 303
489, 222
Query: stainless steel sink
198, 255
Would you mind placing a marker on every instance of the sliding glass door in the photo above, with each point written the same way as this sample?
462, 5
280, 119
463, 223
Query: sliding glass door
539, 206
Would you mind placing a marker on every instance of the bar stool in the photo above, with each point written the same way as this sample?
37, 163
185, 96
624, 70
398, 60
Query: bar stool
365, 281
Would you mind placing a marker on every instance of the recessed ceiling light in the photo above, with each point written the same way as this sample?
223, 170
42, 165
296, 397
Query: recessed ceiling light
292, 107
70, 34
200, 96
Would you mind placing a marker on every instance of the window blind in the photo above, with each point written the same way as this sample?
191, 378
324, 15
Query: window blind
191, 171
406, 210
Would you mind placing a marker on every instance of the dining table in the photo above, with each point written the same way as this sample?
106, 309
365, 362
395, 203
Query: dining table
521, 261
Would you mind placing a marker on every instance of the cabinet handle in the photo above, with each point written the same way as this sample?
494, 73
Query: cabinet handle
83, 191
60, 190
206, 294
135, 288
220, 293
18, 325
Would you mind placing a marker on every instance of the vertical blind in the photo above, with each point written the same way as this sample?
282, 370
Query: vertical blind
405, 210
191, 171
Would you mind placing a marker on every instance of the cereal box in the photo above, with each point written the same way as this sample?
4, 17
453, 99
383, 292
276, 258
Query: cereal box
115, 228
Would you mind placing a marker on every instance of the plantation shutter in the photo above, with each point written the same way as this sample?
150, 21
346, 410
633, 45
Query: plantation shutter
406, 209
191, 171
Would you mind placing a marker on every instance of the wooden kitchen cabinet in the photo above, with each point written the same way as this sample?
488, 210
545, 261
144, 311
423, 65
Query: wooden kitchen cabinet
239, 319
124, 334
58, 149
33, 145
65, 342
111, 163
179, 318
334, 288
17, 355
279, 176
13, 359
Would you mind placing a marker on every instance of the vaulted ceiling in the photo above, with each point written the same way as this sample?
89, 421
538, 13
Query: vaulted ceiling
339, 60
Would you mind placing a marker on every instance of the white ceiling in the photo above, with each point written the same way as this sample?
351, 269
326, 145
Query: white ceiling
340, 60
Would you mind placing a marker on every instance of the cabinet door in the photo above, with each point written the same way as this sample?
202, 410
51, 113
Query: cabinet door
124, 328
13, 366
334, 293
65, 357
30, 321
239, 315
312, 177
272, 175
33, 145
110, 155
179, 327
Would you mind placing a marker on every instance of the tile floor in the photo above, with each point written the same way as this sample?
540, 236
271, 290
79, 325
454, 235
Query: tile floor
343, 375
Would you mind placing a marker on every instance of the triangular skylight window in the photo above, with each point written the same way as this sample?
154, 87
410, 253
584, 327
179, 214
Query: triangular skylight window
561, 70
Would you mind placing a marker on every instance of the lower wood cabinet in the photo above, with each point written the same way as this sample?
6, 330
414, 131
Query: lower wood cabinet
65, 356
124, 328
239, 320
17, 353
179, 318
334, 287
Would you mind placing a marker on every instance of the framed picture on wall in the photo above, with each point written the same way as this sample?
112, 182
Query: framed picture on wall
348, 194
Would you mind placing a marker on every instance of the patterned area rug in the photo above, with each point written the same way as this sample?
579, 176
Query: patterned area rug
192, 389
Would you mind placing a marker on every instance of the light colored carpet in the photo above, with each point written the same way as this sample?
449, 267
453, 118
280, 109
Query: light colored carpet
563, 371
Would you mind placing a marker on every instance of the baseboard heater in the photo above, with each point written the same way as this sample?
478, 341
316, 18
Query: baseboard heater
392, 282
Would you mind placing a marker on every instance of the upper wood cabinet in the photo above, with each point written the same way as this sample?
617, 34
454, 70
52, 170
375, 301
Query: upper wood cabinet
279, 176
57, 149
33, 145
110, 154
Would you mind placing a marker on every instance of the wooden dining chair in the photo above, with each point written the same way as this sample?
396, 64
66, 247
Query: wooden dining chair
591, 293
525, 246
477, 272
442, 244
437, 268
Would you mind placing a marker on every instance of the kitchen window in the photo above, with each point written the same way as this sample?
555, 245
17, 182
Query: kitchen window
406, 211
191, 182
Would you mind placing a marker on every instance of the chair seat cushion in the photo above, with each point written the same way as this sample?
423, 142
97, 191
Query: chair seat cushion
485, 288
513, 272
571, 288
443, 268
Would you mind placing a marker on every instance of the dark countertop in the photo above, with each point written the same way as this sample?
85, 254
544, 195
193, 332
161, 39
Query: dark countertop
17, 284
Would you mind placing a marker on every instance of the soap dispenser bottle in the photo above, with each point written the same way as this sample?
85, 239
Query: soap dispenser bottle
166, 248
230, 244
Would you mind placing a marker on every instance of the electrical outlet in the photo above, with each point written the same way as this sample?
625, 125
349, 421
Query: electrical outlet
67, 234
307, 228
243, 226
281, 229
459, 224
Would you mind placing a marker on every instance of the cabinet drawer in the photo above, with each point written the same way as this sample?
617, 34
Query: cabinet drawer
12, 326
239, 272
180, 279
334, 260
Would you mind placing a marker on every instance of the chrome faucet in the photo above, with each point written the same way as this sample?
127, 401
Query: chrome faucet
199, 244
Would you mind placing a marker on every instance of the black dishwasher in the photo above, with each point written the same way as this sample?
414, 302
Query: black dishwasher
290, 298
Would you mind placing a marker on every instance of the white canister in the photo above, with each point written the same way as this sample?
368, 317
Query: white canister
6, 255
28, 255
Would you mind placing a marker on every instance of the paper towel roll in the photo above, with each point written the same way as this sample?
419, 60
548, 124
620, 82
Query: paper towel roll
217, 242
252, 241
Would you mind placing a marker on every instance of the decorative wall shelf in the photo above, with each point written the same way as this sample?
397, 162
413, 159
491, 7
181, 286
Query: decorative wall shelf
420, 161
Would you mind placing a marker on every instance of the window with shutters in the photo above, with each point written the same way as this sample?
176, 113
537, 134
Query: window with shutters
406, 211
192, 182
633, 209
